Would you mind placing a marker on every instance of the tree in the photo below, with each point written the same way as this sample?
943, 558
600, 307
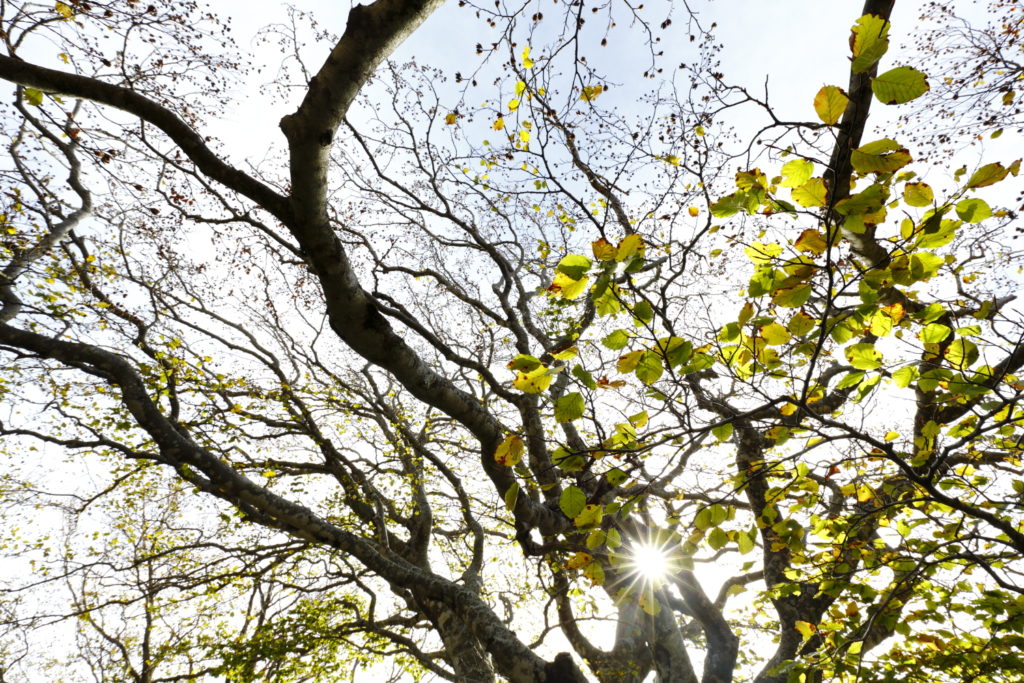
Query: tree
444, 401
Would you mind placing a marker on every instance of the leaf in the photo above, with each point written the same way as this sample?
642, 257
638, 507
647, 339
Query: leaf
918, 194
899, 85
591, 92
792, 297
499, 123
569, 288
723, 432
989, 174
509, 451
973, 210
527, 62
585, 377
829, 103
760, 253
511, 495
717, 538
811, 240
64, 10
643, 311
616, 340
805, 628
630, 246
595, 572
745, 541
569, 407
904, 376
734, 203
33, 96
864, 356
524, 363
693, 211
627, 363
590, 516
801, 323
935, 333
450, 118
649, 369
797, 172
513, 104
533, 382
578, 561
572, 501
868, 201
869, 42
774, 334
882, 156
811, 194
603, 250
574, 265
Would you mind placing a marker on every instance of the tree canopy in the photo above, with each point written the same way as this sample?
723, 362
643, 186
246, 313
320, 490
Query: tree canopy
501, 374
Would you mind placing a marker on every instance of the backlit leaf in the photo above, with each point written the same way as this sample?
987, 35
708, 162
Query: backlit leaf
918, 194
810, 194
569, 407
509, 451
864, 356
572, 501
870, 41
973, 210
899, 85
811, 240
830, 103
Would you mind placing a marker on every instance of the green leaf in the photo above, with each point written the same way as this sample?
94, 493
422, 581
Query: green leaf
616, 340
33, 96
918, 194
569, 407
864, 356
899, 85
868, 201
797, 172
774, 334
882, 156
722, 432
734, 203
524, 363
801, 323
717, 538
643, 312
746, 542
572, 501
850, 379
575, 266
935, 333
829, 104
511, 495
973, 210
869, 42
584, 377
792, 297
649, 369
615, 476
989, 174
904, 376
628, 362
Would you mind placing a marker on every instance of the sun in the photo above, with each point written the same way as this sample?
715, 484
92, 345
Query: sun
651, 561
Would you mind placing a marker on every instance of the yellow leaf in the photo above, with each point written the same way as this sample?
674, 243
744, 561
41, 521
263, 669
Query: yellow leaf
694, 211
775, 334
762, 253
527, 62
64, 10
520, 88
579, 560
524, 135
892, 436
499, 124
533, 382
810, 194
629, 246
805, 628
513, 105
450, 118
569, 288
788, 409
603, 250
811, 240
628, 362
509, 451
591, 92
830, 103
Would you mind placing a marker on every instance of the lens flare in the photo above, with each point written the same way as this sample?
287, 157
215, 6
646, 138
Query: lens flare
651, 561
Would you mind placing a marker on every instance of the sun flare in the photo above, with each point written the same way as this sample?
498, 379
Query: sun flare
651, 561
